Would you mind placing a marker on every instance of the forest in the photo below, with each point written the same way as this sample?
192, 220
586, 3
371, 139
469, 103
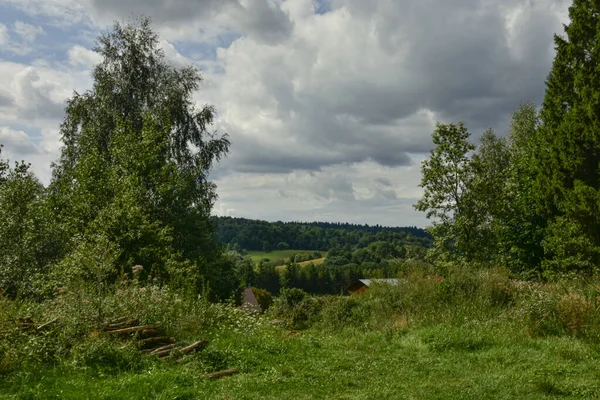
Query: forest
265, 236
117, 281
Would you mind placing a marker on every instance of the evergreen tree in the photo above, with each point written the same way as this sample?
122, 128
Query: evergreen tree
569, 181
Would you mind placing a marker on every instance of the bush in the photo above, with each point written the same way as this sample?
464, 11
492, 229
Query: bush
343, 312
295, 307
263, 297
575, 312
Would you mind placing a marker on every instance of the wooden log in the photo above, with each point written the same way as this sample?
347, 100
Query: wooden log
121, 325
47, 324
194, 346
184, 350
220, 374
163, 348
163, 353
148, 333
134, 329
151, 341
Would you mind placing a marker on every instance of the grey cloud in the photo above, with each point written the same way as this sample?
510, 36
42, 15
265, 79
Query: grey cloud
453, 58
34, 99
260, 19
162, 11
383, 181
17, 142
5, 99
249, 155
265, 22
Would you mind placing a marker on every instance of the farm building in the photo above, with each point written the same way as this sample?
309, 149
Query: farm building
361, 285
249, 301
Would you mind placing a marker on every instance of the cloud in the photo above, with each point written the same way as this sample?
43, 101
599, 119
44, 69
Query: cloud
17, 142
80, 56
337, 193
330, 104
37, 98
368, 80
27, 32
4, 38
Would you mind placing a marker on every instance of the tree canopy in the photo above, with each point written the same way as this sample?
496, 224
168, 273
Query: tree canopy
538, 194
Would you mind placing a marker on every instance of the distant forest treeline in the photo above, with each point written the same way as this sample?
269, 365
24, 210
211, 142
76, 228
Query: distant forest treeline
256, 235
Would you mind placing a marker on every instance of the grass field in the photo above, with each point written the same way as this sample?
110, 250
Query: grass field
284, 254
442, 362
475, 335
316, 261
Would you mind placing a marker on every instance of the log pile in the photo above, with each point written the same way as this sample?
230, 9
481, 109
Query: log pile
149, 338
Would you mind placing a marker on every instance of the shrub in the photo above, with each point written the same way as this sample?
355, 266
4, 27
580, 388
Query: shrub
263, 297
575, 312
295, 307
341, 312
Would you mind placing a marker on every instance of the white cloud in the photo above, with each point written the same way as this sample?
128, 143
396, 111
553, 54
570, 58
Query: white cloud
362, 193
329, 114
80, 56
27, 32
16, 142
4, 38
32, 99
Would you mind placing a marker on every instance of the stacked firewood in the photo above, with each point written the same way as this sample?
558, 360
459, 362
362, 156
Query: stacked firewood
149, 338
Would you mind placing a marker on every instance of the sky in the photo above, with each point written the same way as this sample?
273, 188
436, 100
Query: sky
329, 104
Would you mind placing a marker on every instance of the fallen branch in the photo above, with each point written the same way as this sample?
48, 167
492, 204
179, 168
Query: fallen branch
148, 333
151, 341
47, 324
120, 325
194, 346
134, 329
163, 353
220, 374
163, 348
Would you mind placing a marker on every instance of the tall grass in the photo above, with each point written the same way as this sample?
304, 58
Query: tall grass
475, 324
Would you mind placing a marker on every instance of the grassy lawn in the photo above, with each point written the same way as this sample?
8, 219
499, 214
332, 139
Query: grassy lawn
474, 361
285, 254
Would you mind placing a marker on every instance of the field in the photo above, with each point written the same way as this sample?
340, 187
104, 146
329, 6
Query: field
443, 362
275, 254
316, 261
474, 335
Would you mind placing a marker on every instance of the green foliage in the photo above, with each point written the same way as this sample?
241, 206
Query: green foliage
28, 242
135, 162
446, 179
570, 180
263, 236
522, 226
542, 342
263, 297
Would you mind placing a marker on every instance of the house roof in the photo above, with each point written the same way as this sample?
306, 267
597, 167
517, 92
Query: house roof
249, 301
368, 282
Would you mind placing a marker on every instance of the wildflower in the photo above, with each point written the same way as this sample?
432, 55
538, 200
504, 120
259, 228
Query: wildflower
137, 269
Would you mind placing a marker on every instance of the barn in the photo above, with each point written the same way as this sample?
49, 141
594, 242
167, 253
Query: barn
361, 285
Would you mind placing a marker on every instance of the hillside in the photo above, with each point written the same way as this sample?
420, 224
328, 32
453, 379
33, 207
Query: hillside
256, 235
